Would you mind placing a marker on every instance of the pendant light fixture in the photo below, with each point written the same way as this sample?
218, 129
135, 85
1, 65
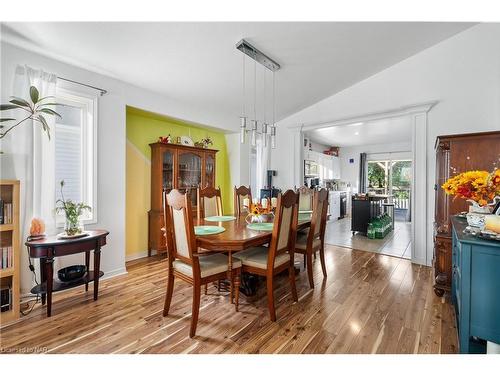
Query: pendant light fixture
273, 66
243, 118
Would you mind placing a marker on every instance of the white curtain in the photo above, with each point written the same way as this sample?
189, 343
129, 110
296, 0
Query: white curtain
33, 160
262, 165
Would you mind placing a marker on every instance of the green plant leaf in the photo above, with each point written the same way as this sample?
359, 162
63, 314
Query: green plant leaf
50, 112
34, 94
44, 124
7, 119
20, 102
6, 107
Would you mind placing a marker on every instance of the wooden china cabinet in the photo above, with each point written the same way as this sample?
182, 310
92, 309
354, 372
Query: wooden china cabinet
456, 154
180, 167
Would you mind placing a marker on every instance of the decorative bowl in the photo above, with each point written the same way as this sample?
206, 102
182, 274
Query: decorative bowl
476, 220
259, 218
71, 273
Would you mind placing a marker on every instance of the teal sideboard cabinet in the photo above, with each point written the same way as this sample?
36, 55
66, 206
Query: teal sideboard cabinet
475, 288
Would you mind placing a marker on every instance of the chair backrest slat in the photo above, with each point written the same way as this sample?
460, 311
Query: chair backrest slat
240, 194
285, 227
179, 227
318, 219
305, 198
209, 202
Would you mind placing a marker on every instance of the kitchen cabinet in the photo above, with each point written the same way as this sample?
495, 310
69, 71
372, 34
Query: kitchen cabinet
328, 166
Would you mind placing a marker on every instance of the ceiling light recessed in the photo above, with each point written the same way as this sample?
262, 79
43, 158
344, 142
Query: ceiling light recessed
356, 133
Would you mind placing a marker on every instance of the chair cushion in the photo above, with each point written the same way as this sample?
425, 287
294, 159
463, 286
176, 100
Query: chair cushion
301, 242
257, 257
209, 265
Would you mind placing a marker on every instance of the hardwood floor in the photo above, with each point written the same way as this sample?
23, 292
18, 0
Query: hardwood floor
397, 243
369, 303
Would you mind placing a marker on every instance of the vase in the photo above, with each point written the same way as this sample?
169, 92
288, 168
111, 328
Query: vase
73, 225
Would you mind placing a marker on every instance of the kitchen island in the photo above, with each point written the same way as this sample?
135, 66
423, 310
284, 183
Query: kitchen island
364, 209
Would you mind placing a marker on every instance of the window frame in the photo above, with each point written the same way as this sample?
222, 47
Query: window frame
88, 101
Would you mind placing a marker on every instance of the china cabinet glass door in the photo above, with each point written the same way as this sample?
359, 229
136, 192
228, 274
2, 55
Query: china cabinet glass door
209, 170
189, 173
168, 170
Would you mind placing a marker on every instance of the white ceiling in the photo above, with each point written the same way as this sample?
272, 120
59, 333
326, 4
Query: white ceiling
197, 63
385, 131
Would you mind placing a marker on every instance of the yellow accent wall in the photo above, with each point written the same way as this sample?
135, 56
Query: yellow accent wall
144, 128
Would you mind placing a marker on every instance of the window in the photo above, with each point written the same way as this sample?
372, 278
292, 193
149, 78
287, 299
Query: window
75, 150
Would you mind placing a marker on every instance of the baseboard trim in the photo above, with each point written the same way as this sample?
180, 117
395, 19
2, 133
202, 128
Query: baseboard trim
114, 273
141, 254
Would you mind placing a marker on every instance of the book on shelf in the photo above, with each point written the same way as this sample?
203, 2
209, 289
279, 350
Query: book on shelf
5, 298
6, 259
5, 212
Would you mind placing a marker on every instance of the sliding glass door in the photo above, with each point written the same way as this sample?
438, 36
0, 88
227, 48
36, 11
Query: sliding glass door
392, 178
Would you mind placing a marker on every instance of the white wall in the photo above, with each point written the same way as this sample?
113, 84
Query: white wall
111, 143
238, 155
462, 73
350, 172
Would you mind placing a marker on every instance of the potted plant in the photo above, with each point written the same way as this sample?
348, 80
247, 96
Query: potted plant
35, 110
207, 141
73, 212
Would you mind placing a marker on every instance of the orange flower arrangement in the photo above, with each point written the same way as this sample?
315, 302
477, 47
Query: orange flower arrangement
258, 209
479, 186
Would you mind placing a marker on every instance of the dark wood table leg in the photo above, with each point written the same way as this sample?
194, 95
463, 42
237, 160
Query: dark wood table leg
49, 270
87, 265
43, 276
97, 262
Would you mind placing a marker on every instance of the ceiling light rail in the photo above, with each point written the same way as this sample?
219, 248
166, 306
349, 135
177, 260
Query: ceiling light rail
257, 55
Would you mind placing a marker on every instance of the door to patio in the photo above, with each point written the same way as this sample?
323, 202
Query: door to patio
393, 178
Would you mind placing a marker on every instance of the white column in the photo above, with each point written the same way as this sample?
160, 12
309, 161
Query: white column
297, 150
420, 253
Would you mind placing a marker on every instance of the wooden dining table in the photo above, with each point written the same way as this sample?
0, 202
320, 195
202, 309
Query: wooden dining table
236, 237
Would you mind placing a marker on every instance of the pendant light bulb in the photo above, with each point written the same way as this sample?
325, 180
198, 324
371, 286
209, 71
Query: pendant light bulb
273, 137
253, 136
264, 133
243, 129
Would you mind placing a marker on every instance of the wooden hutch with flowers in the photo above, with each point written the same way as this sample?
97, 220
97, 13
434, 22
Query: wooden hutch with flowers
456, 154
176, 166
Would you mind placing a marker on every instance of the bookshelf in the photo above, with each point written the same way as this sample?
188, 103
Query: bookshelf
9, 250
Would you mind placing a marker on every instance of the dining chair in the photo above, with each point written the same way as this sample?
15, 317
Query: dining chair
305, 198
313, 239
272, 260
184, 261
240, 194
209, 202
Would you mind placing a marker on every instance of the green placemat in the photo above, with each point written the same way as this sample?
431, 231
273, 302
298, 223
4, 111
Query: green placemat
220, 218
305, 212
205, 230
304, 217
261, 226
